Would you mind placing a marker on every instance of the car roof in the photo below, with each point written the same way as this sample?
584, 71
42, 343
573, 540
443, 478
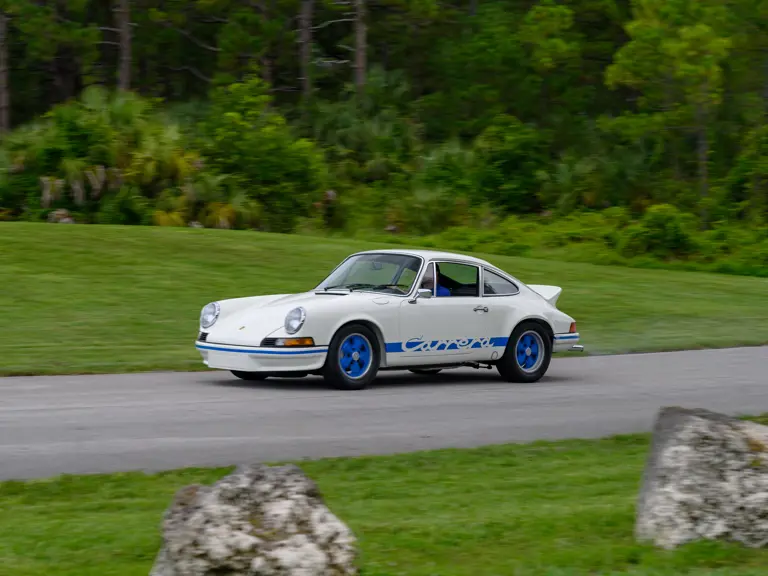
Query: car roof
431, 255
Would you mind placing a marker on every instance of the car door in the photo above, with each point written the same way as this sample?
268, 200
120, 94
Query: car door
499, 297
452, 326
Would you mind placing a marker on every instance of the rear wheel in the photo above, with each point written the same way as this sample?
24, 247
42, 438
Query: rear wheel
426, 372
353, 358
528, 353
250, 375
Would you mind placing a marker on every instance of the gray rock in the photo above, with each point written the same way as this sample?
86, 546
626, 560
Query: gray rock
706, 479
60, 216
258, 521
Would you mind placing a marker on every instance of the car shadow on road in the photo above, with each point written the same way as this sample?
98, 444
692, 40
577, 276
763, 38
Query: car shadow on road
390, 380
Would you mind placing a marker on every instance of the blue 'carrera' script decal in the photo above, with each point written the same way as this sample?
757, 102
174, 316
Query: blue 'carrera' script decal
420, 345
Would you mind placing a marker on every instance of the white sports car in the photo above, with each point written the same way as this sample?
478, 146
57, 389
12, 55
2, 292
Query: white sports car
414, 310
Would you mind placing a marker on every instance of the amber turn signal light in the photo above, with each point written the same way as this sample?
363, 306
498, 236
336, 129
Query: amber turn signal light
296, 342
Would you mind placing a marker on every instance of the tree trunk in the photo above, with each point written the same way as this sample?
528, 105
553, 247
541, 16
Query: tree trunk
702, 148
64, 72
123, 17
266, 70
5, 96
672, 131
307, 7
765, 84
268, 13
361, 47
65, 63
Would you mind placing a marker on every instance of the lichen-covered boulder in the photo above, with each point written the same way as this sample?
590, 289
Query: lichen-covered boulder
705, 479
258, 521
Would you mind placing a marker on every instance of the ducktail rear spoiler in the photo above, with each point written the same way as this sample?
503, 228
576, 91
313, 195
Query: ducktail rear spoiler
549, 293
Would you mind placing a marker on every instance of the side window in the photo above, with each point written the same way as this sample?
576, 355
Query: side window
457, 279
493, 284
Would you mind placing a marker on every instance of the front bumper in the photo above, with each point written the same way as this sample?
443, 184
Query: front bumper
261, 359
567, 342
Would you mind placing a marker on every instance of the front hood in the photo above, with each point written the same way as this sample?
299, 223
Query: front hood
249, 324
288, 302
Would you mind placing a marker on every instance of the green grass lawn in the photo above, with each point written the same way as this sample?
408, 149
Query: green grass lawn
80, 298
542, 509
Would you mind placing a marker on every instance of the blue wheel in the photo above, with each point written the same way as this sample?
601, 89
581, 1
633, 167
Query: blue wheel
353, 358
528, 353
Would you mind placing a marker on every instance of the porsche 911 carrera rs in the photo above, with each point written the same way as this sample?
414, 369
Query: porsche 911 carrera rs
416, 310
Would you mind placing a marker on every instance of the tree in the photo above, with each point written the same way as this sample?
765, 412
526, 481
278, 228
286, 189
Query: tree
305, 19
674, 60
361, 45
247, 139
123, 18
697, 55
5, 94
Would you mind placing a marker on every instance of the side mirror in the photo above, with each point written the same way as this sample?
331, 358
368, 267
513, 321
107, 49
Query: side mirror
421, 293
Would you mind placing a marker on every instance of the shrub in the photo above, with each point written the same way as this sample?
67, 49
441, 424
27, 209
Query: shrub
90, 149
267, 162
451, 167
663, 233
127, 207
760, 255
511, 155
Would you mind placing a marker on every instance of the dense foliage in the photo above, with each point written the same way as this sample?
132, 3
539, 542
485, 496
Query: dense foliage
454, 120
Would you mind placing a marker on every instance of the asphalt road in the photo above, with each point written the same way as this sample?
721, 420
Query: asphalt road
91, 424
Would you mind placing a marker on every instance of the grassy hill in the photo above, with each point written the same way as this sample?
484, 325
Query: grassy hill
110, 299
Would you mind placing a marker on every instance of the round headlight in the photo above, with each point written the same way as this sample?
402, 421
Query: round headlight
209, 314
295, 320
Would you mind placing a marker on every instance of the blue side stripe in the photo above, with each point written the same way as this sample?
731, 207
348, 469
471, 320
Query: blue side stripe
265, 351
391, 347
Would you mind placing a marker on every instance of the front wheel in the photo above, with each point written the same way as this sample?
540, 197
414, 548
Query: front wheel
353, 358
528, 353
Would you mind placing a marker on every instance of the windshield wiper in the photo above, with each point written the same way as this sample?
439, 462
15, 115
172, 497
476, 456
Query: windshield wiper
364, 286
349, 287
354, 287
380, 286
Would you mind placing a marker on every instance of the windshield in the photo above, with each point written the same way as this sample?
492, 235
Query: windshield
389, 273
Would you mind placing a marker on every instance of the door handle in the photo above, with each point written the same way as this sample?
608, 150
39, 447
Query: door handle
481, 309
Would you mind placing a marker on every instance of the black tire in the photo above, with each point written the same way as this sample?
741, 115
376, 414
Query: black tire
427, 372
508, 366
252, 376
355, 335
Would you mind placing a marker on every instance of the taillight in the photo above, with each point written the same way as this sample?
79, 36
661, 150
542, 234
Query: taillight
572, 329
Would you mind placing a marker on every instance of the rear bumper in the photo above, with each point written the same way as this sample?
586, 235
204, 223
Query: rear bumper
567, 342
260, 359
